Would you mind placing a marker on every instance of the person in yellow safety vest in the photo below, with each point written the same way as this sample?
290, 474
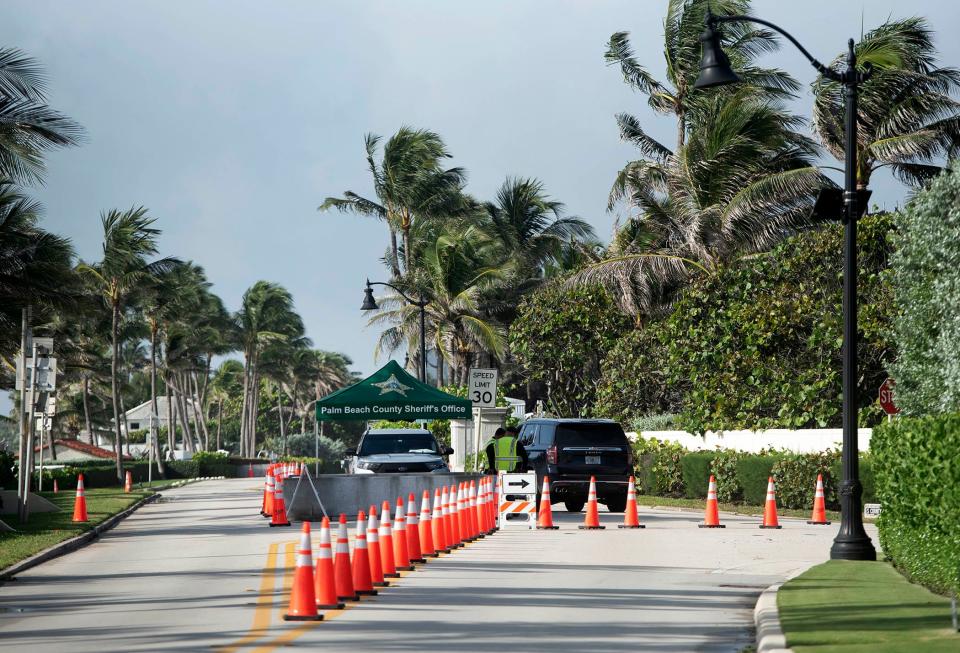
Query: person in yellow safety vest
504, 452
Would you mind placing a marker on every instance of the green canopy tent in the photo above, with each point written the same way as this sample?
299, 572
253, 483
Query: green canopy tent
393, 394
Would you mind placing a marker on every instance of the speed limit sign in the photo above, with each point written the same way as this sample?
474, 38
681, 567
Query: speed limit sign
482, 390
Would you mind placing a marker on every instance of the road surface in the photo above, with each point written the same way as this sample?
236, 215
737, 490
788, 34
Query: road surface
200, 571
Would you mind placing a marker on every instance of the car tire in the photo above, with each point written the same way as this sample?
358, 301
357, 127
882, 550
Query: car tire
574, 505
616, 504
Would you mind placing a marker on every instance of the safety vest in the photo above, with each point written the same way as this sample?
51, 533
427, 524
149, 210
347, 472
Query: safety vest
505, 453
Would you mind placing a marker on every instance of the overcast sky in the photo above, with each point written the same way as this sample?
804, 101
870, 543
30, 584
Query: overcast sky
231, 121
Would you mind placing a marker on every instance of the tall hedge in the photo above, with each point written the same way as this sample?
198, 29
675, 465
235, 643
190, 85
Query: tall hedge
918, 484
925, 274
757, 343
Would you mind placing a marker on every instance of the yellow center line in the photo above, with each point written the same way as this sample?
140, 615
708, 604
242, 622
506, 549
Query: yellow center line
261, 613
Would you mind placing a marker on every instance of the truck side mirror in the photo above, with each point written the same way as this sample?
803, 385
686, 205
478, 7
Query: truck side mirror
447, 451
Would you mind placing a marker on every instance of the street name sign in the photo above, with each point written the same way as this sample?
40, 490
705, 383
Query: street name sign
871, 510
482, 390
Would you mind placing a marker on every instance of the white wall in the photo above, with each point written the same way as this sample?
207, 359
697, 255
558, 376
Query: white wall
799, 440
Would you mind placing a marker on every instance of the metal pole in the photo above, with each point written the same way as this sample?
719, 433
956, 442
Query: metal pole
150, 450
423, 342
28, 467
24, 337
43, 431
316, 446
851, 542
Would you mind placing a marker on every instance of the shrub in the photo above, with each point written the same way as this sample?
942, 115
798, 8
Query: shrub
659, 422
724, 468
695, 467
796, 478
753, 470
661, 466
925, 275
918, 483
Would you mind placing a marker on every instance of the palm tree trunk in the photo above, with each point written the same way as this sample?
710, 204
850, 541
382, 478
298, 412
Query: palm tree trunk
283, 433
244, 449
178, 390
86, 407
114, 354
219, 420
440, 382
406, 251
171, 426
395, 262
154, 416
198, 413
123, 413
254, 406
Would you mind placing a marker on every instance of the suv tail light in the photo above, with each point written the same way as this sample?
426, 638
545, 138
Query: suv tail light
552, 455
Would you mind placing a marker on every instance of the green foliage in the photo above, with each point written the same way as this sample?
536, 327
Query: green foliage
139, 436
560, 337
8, 477
724, 468
918, 481
753, 471
796, 475
757, 344
660, 469
695, 467
925, 272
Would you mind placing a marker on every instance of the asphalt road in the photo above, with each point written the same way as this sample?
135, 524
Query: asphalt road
201, 570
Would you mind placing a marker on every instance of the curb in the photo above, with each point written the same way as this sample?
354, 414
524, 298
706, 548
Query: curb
83, 539
766, 619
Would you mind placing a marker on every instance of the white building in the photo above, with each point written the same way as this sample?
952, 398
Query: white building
138, 417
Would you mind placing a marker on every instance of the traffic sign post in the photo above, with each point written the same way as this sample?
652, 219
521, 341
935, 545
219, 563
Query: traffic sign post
887, 398
482, 391
518, 503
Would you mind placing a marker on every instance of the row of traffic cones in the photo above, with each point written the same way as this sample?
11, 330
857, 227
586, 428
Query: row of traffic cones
712, 515
383, 548
273, 506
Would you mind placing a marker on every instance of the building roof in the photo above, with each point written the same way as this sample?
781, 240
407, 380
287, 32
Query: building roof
142, 412
83, 447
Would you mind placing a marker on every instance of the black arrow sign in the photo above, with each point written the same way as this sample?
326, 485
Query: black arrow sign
523, 483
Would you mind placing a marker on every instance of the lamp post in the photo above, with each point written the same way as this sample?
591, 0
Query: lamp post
370, 304
852, 542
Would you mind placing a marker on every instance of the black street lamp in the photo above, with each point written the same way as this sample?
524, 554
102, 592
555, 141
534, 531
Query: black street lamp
370, 304
851, 542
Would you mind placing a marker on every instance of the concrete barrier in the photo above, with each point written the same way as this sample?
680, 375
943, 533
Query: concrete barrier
350, 493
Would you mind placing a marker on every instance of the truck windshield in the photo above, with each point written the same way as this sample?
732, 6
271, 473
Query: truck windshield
590, 435
379, 443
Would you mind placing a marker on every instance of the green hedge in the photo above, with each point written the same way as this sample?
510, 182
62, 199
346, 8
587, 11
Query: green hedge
696, 473
918, 481
753, 472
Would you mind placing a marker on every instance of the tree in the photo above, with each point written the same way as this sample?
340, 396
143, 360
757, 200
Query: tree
907, 119
410, 185
128, 241
265, 316
28, 127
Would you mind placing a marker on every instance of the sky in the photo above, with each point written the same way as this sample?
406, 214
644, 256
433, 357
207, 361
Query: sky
232, 121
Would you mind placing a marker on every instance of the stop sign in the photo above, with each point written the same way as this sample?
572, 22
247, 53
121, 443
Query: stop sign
886, 398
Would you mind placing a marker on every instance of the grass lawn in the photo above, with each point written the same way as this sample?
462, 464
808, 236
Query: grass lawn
700, 504
855, 607
45, 529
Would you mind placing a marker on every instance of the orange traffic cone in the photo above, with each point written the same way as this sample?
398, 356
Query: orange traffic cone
128, 482
436, 524
474, 506
362, 582
279, 517
770, 507
819, 508
386, 543
448, 542
267, 510
401, 556
413, 531
326, 586
426, 531
342, 572
630, 517
545, 516
711, 518
482, 505
495, 506
373, 542
303, 598
80, 504
591, 520
56, 487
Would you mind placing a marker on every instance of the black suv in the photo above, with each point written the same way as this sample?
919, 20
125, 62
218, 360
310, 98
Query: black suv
570, 451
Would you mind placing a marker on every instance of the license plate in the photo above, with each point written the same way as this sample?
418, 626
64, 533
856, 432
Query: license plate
592, 460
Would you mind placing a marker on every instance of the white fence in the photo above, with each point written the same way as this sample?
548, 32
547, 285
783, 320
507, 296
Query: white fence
799, 440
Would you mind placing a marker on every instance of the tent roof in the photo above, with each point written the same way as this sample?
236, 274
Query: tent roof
392, 393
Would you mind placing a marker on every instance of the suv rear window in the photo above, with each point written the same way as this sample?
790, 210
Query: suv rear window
377, 443
590, 435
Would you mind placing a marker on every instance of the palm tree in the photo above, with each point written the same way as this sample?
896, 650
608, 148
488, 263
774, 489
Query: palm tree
907, 118
265, 316
677, 96
128, 241
410, 185
742, 182
28, 127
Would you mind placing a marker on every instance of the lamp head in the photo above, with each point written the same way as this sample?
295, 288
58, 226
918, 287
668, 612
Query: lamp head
715, 67
369, 303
